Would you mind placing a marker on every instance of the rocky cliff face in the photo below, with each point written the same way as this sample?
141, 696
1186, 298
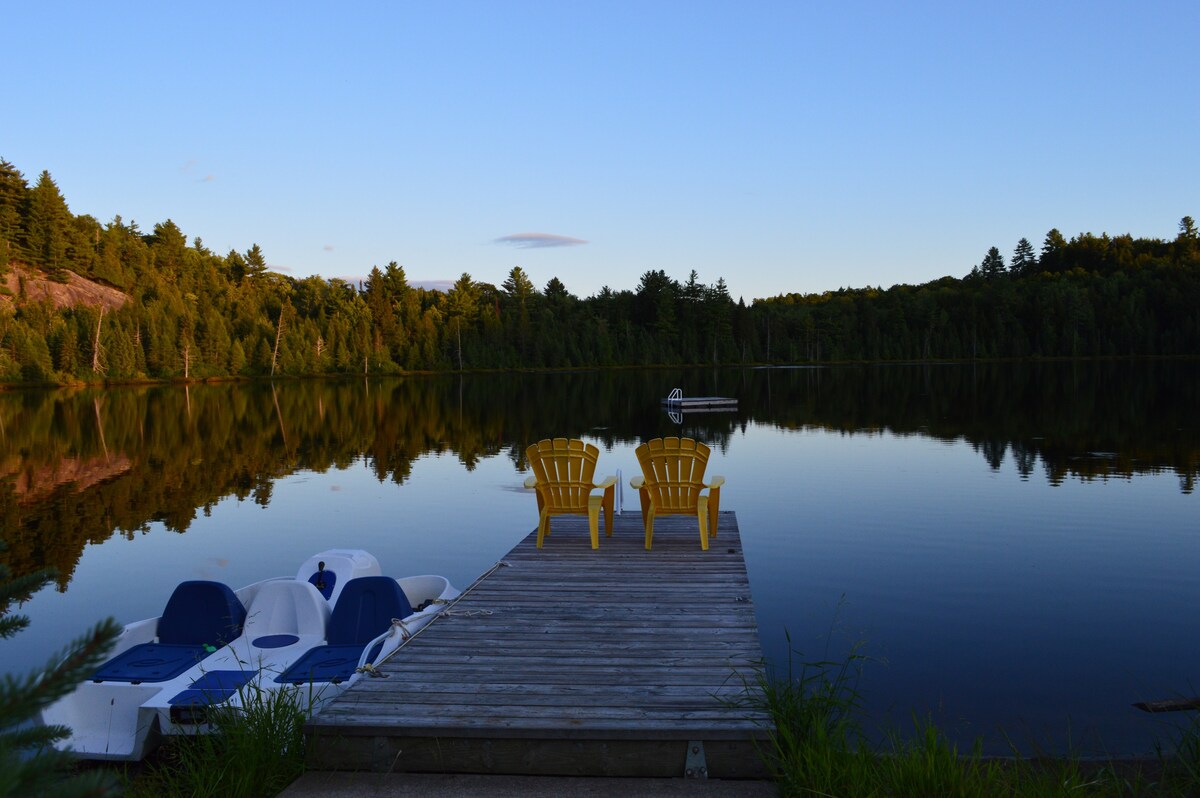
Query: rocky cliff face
30, 285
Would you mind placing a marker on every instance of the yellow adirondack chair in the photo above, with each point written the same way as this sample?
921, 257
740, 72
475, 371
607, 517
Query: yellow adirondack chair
562, 476
672, 483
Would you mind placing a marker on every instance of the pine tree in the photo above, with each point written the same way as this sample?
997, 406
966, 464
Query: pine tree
462, 308
48, 227
237, 358
993, 265
1052, 251
21, 700
1187, 244
256, 263
1023, 261
14, 193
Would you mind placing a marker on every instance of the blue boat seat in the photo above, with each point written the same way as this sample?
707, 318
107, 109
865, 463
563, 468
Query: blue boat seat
364, 611
214, 687
199, 618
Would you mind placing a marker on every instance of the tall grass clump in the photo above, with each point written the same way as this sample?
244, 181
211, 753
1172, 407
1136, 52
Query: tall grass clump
1182, 765
818, 747
253, 750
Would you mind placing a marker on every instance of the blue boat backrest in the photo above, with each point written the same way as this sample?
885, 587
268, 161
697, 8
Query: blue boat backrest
201, 613
365, 610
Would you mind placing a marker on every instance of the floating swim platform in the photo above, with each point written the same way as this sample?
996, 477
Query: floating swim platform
677, 401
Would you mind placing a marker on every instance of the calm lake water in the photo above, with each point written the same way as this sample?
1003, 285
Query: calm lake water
1016, 547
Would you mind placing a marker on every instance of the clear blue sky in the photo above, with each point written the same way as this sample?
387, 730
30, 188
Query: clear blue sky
784, 146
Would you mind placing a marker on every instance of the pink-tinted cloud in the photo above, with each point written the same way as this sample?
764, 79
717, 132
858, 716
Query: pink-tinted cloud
538, 240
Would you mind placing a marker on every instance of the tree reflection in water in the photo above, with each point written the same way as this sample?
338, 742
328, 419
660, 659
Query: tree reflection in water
77, 466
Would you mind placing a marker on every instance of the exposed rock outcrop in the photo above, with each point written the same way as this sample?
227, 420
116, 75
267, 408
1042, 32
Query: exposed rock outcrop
30, 285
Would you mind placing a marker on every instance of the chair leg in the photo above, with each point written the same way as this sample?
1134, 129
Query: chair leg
702, 517
648, 518
714, 510
594, 503
543, 527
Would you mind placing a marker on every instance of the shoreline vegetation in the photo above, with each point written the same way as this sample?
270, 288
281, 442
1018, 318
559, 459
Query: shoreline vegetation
820, 748
84, 302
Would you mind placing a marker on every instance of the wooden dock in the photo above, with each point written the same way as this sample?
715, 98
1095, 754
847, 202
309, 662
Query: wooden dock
572, 661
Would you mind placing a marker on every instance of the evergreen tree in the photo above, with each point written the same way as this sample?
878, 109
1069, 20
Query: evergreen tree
462, 306
66, 350
1187, 244
29, 765
14, 193
1052, 251
48, 227
378, 294
237, 359
1023, 261
655, 306
236, 265
520, 291
256, 263
1187, 228
992, 266
119, 352
718, 309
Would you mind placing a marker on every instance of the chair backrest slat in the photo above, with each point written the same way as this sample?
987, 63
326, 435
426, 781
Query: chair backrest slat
673, 469
564, 470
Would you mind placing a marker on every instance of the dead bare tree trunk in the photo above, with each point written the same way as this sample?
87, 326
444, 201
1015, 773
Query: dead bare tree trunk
278, 335
96, 343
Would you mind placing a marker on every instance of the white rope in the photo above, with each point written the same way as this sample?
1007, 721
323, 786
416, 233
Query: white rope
466, 613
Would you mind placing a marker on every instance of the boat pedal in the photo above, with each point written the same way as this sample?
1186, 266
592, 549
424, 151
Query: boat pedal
189, 714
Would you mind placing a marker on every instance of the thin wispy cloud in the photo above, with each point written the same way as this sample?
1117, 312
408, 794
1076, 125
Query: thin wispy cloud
189, 168
538, 240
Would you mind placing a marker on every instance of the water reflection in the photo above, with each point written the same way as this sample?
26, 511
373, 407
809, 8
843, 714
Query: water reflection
991, 531
77, 466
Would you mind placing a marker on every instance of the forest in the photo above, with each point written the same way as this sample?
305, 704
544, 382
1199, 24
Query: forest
184, 312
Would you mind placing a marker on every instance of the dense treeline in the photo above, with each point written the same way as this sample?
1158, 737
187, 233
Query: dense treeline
195, 314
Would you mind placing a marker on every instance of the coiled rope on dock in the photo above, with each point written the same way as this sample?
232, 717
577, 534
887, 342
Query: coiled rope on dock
372, 669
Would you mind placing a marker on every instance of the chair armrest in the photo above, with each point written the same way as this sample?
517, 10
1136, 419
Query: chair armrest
637, 482
716, 483
607, 483
531, 482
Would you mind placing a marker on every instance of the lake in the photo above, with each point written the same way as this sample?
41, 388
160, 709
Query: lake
1015, 547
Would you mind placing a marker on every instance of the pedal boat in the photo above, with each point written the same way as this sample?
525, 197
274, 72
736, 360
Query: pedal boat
314, 634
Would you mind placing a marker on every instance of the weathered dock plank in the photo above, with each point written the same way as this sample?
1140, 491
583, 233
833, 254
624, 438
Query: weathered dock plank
572, 661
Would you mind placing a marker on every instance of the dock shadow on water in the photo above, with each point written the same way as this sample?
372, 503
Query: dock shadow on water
1017, 540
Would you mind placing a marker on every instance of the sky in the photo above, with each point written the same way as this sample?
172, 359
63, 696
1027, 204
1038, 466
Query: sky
782, 146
